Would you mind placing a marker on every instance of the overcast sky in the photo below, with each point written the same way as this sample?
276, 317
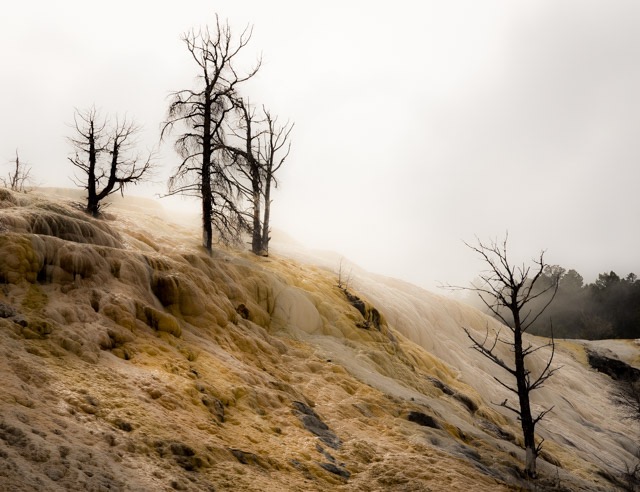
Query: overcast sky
417, 124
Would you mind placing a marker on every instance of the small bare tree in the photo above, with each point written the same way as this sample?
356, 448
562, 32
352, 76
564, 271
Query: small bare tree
104, 155
506, 288
19, 177
344, 278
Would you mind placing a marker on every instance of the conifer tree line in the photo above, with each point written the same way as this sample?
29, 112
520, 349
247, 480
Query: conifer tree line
607, 308
230, 148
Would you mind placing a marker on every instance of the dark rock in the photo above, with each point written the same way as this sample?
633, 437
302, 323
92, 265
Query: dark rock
179, 449
243, 311
356, 302
327, 455
440, 385
13, 436
336, 470
422, 419
123, 425
20, 320
374, 317
184, 455
497, 431
370, 314
315, 425
40, 327
469, 452
614, 368
215, 406
247, 458
301, 467
7, 311
165, 288
466, 401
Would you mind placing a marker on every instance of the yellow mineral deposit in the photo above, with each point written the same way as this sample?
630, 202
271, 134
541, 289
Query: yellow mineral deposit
131, 360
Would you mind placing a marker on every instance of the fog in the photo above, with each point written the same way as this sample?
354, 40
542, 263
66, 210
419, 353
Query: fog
418, 126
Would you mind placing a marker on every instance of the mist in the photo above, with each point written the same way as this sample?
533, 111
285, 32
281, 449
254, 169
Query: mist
417, 126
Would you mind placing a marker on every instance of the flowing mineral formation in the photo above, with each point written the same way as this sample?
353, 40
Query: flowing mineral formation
132, 360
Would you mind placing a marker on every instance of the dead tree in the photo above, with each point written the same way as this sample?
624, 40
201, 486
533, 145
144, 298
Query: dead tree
276, 149
19, 177
205, 168
105, 156
262, 147
507, 291
246, 154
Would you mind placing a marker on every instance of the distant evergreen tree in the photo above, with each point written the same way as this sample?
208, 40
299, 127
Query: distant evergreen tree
606, 308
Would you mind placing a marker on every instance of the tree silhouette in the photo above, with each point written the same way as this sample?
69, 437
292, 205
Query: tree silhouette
259, 149
205, 170
505, 287
104, 155
19, 177
276, 149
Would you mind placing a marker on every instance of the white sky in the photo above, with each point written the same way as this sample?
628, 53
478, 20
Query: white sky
418, 124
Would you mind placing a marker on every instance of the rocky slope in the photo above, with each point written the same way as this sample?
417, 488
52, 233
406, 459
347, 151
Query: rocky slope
131, 360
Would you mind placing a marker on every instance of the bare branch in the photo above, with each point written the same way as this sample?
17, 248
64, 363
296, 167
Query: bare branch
506, 405
19, 177
488, 351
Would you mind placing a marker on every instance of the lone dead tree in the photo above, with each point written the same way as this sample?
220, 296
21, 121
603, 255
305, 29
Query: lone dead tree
205, 170
262, 148
103, 154
507, 291
19, 177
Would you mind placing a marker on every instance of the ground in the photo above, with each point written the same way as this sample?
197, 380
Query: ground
132, 360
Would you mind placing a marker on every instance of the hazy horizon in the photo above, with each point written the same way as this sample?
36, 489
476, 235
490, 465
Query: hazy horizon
417, 126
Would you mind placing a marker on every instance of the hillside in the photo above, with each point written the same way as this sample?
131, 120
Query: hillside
133, 361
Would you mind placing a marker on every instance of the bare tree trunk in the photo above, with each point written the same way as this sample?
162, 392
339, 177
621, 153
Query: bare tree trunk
92, 198
267, 213
207, 210
276, 147
251, 168
256, 233
526, 420
16, 175
207, 197
203, 113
